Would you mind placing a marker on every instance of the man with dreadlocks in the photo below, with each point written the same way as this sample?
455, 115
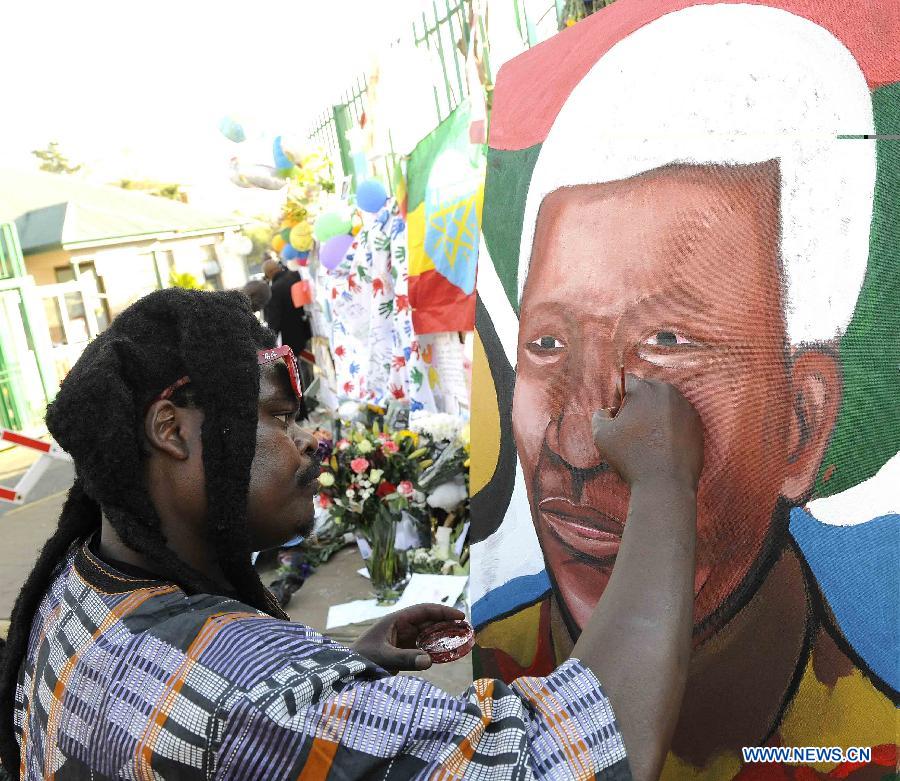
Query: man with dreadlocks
143, 644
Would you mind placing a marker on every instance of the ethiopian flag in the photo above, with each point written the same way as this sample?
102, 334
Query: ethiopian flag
445, 181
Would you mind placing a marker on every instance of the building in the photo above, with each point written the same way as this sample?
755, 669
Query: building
88, 251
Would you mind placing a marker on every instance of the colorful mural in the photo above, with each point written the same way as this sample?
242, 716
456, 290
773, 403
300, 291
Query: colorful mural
706, 194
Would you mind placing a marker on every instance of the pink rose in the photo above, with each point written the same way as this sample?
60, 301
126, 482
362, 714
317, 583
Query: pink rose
325, 501
405, 488
359, 465
342, 444
390, 446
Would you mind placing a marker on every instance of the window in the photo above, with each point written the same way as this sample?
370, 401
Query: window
64, 273
87, 273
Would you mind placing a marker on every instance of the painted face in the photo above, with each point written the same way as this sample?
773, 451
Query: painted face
284, 472
675, 276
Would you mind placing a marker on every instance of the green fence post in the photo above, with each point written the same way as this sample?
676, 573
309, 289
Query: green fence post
341, 116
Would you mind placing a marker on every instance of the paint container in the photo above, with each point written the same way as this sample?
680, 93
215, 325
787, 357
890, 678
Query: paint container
447, 641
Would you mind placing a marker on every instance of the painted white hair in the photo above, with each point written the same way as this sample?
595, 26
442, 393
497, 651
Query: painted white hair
734, 84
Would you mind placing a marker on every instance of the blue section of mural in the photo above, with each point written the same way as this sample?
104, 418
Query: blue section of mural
858, 570
511, 596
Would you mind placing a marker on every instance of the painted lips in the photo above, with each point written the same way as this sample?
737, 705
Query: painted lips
584, 529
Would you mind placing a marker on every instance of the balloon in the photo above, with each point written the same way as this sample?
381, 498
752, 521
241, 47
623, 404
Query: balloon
301, 236
278, 242
288, 222
371, 195
288, 252
331, 224
281, 159
356, 223
232, 130
335, 250
285, 234
303, 258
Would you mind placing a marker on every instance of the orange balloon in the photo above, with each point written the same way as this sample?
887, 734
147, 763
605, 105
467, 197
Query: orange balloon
278, 243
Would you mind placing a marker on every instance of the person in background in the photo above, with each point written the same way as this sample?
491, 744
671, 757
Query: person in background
259, 292
283, 317
143, 644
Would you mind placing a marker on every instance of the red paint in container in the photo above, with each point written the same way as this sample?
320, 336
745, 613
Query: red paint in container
447, 641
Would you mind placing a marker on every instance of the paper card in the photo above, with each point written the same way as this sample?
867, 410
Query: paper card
461, 540
440, 589
356, 612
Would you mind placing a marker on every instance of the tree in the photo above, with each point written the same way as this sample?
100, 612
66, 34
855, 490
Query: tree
54, 161
161, 189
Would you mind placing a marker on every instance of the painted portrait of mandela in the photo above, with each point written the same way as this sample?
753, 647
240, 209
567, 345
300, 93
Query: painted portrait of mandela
699, 194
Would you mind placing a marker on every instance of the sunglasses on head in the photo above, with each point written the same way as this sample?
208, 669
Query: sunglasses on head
270, 355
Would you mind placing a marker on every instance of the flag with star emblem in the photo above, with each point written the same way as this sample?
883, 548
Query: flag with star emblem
445, 181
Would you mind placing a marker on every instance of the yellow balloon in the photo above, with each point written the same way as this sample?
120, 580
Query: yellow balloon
278, 243
288, 222
302, 237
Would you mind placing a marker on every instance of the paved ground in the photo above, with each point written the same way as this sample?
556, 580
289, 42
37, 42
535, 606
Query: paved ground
24, 528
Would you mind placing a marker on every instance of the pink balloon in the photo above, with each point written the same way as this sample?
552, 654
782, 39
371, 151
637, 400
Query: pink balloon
335, 250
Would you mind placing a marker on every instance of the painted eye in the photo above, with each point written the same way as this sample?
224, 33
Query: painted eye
545, 343
667, 339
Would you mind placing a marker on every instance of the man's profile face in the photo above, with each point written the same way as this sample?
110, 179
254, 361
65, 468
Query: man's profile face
285, 468
675, 276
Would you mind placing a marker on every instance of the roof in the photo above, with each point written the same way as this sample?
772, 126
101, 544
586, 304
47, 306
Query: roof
58, 210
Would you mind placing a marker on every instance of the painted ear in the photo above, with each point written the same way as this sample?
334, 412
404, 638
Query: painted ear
816, 387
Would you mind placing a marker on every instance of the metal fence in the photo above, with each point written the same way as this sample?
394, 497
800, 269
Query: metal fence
439, 30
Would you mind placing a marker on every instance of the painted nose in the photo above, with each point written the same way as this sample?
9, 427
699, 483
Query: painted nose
570, 436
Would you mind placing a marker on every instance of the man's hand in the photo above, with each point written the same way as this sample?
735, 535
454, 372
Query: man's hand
391, 643
655, 436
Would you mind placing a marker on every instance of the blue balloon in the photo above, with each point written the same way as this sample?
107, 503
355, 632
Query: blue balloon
288, 253
371, 195
281, 159
232, 130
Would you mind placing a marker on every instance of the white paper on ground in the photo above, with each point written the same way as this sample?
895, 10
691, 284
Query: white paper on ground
364, 572
356, 612
442, 589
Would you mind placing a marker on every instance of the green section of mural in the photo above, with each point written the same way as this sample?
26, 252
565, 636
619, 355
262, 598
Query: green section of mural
868, 429
505, 191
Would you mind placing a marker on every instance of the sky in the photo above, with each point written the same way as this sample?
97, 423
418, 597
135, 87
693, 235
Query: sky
137, 90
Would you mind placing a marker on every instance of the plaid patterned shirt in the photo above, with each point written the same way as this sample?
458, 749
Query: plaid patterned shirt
130, 678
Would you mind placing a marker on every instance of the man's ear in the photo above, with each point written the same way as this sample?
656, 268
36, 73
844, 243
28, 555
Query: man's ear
169, 429
816, 388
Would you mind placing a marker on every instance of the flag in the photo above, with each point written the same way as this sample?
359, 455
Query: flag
445, 181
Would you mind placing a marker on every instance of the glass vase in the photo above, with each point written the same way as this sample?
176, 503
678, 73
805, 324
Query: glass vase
386, 565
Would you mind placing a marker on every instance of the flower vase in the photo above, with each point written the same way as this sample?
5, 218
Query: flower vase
386, 564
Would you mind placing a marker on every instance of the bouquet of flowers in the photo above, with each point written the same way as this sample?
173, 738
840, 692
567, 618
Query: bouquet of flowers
370, 477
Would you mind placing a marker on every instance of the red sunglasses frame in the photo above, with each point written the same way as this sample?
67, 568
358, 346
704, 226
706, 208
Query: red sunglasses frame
269, 355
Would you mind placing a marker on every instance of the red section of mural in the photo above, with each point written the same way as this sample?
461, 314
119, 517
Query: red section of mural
549, 72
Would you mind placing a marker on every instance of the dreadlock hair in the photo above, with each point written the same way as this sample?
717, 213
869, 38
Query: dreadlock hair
97, 417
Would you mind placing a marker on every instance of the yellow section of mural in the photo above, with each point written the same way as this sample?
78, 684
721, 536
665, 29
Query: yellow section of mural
516, 635
851, 713
486, 435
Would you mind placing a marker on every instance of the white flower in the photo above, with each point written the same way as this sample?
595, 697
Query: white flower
365, 447
440, 426
375, 475
350, 493
448, 496
326, 479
